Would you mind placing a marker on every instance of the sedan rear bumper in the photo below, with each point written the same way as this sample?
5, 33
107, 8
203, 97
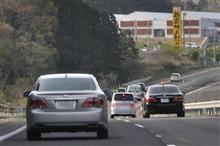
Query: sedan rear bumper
163, 108
67, 127
56, 121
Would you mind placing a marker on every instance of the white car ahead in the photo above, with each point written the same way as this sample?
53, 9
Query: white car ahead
122, 105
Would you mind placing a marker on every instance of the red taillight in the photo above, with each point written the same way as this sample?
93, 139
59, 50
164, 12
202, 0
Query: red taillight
39, 103
150, 100
93, 102
131, 105
178, 98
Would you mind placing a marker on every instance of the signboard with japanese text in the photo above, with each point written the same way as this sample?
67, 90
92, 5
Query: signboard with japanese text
177, 27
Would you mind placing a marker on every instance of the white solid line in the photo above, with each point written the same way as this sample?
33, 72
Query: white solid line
171, 145
6, 136
138, 125
127, 121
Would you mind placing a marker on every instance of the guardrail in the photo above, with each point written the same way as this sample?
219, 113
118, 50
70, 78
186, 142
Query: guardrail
10, 111
211, 108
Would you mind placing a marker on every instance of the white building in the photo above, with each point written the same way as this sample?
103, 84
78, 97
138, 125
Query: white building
151, 24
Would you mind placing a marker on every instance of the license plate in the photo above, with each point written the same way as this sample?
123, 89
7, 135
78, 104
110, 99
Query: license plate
164, 100
61, 105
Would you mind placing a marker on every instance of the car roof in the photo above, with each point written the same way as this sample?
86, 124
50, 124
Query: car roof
123, 93
166, 85
121, 88
134, 85
66, 75
175, 73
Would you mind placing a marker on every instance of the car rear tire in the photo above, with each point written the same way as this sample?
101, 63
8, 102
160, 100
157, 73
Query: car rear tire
102, 133
146, 115
33, 135
181, 114
133, 116
112, 116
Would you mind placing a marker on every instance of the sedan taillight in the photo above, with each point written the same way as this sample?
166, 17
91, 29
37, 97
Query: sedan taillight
39, 103
150, 100
93, 102
178, 98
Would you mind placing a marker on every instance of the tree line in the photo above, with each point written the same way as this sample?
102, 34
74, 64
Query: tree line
56, 36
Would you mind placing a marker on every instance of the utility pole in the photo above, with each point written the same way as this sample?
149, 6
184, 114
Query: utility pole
184, 37
183, 23
190, 39
148, 34
135, 30
215, 45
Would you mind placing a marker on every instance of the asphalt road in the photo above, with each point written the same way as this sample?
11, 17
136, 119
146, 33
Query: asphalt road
194, 81
156, 131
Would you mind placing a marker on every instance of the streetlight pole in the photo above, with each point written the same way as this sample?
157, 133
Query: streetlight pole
135, 30
148, 34
215, 43
183, 23
190, 39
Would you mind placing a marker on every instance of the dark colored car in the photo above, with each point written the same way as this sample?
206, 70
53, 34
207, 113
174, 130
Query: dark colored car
66, 103
163, 99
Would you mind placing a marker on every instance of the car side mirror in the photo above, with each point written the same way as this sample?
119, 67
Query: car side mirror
26, 93
184, 93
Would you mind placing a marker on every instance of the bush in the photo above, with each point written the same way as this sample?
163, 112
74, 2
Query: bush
194, 54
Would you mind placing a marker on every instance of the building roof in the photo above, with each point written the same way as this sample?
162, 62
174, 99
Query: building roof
139, 15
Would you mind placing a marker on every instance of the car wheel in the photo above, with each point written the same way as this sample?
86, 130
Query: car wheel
33, 135
133, 116
112, 116
181, 114
146, 115
102, 133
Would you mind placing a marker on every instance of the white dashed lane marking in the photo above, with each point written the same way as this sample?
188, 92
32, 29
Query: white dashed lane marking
127, 121
158, 135
138, 125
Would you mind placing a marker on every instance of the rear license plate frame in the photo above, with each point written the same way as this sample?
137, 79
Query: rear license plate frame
65, 104
164, 100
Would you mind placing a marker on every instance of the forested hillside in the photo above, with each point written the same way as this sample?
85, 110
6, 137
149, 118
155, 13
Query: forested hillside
59, 36
53, 36
128, 6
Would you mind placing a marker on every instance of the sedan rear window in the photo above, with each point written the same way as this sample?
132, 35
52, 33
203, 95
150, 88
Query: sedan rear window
164, 89
66, 84
123, 97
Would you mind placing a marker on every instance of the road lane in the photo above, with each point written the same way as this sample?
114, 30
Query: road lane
121, 133
196, 131
160, 131
11, 125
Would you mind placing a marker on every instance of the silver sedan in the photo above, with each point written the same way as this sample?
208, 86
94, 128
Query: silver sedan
66, 103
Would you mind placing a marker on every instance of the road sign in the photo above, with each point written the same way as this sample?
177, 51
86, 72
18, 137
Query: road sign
177, 27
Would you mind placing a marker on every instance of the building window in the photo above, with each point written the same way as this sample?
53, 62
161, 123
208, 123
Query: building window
169, 23
191, 31
144, 32
159, 32
217, 24
144, 23
127, 23
169, 31
191, 23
